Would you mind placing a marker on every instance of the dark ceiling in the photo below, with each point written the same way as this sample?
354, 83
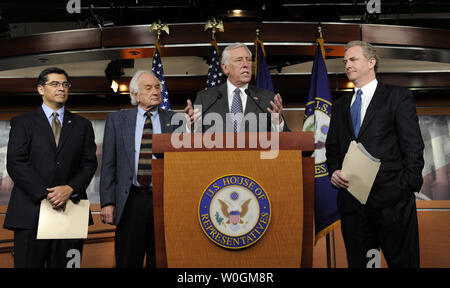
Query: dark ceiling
424, 13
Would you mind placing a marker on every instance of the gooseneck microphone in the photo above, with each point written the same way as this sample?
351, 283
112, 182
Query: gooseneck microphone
247, 91
219, 95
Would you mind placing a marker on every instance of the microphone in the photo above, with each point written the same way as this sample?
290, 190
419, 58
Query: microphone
247, 91
219, 95
214, 102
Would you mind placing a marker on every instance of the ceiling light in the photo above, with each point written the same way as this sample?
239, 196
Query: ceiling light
237, 13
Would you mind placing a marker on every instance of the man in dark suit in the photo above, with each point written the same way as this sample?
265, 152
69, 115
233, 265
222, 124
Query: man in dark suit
51, 155
237, 99
125, 183
383, 118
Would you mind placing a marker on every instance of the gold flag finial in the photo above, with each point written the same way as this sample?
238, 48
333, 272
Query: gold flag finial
215, 26
158, 26
319, 29
257, 34
320, 40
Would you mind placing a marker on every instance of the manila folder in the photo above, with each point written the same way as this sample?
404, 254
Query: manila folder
360, 169
70, 223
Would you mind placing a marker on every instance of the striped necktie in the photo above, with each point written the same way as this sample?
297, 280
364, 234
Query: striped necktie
236, 109
144, 173
56, 127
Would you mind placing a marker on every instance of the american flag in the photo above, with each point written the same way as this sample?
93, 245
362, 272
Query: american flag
214, 71
157, 68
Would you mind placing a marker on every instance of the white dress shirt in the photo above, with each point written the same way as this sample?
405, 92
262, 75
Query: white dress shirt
367, 94
230, 90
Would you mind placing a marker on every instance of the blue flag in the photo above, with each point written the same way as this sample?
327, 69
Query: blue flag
262, 74
157, 68
215, 75
317, 119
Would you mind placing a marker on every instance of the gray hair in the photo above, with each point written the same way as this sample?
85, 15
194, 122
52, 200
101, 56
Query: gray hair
134, 84
226, 52
368, 51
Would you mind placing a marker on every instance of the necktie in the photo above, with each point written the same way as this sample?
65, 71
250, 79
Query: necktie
56, 127
144, 173
236, 109
355, 111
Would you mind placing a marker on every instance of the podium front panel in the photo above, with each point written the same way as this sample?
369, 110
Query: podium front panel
186, 177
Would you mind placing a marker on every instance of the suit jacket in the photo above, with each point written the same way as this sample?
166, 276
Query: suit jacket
216, 100
390, 132
118, 162
35, 163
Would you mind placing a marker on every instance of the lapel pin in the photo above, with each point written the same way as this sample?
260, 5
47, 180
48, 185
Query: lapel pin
168, 124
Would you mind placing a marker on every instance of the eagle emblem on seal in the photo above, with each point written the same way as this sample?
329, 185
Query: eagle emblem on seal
234, 215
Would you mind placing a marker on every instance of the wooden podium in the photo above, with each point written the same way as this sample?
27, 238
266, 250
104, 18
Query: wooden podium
181, 177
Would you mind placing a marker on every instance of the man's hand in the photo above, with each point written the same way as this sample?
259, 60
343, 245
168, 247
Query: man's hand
59, 195
192, 115
277, 107
339, 180
108, 214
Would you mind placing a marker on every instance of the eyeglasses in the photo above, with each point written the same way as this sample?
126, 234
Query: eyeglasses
56, 84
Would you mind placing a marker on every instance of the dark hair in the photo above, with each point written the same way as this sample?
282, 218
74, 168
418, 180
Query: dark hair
42, 79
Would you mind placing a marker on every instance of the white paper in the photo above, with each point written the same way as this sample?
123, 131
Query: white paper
72, 223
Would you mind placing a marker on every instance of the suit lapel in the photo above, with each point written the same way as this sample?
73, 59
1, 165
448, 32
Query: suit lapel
42, 121
66, 130
222, 102
348, 117
164, 120
128, 126
373, 107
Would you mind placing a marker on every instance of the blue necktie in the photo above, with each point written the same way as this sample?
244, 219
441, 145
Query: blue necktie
236, 109
355, 111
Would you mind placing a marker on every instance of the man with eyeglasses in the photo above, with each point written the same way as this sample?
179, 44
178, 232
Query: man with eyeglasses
237, 98
51, 157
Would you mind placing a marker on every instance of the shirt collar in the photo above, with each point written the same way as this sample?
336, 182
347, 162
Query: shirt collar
231, 87
153, 112
369, 88
49, 112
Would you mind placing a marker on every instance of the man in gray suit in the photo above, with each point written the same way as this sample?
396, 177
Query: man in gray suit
125, 185
235, 101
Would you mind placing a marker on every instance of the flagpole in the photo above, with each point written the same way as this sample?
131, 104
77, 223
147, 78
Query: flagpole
331, 251
328, 250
